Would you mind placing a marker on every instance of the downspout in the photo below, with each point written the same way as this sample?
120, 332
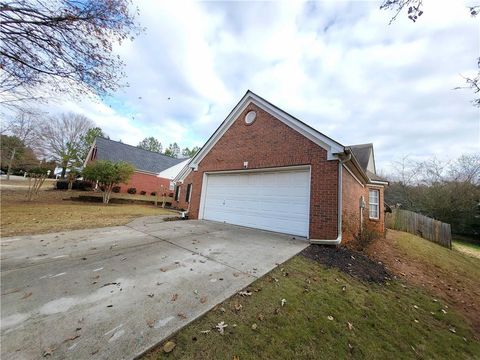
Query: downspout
338, 240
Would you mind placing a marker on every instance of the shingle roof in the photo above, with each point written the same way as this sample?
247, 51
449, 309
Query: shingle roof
362, 154
142, 159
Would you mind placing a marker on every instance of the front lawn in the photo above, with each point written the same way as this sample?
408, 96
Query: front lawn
52, 211
327, 314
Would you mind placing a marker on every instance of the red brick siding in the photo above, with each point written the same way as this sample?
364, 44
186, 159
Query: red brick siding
352, 191
182, 203
269, 143
379, 224
146, 182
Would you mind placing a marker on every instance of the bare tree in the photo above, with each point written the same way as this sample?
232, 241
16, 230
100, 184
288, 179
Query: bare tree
466, 169
61, 138
63, 45
414, 9
24, 125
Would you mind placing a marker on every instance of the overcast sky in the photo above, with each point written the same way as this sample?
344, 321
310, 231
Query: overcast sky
336, 65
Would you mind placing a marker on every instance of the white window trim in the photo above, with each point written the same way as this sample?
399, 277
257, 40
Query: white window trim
370, 203
179, 191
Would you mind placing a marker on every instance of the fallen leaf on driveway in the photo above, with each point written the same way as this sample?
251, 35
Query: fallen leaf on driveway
221, 326
182, 316
151, 295
203, 300
26, 295
169, 346
174, 297
48, 351
162, 270
72, 338
150, 323
10, 291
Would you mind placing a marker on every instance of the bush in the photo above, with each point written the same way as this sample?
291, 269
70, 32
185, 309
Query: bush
367, 236
116, 189
153, 193
82, 185
143, 192
132, 190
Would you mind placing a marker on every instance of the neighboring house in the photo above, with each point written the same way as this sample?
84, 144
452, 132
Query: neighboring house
265, 169
148, 164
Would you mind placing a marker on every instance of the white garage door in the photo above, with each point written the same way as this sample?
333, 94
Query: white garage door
275, 200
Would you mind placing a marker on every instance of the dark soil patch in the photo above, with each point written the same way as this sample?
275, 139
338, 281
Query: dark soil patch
172, 218
351, 262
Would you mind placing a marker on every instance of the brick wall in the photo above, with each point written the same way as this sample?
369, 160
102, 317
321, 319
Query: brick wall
146, 182
267, 143
352, 191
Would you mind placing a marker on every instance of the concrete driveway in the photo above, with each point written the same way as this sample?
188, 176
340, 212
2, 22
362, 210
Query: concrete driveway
113, 293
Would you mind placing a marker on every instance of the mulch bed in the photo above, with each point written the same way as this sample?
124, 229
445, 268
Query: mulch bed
351, 262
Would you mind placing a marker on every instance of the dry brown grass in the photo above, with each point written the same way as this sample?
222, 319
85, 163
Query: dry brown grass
53, 211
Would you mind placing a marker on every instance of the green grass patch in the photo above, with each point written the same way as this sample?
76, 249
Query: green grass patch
451, 265
467, 248
390, 320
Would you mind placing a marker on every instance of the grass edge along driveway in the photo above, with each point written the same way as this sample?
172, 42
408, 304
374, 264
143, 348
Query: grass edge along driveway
326, 314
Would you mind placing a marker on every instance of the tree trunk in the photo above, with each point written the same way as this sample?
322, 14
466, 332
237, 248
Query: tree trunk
9, 170
64, 171
107, 193
70, 185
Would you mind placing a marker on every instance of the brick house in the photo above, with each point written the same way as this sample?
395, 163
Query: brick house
150, 167
265, 169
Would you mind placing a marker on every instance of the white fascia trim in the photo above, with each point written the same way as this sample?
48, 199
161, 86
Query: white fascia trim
378, 183
183, 174
331, 146
351, 173
262, 170
89, 153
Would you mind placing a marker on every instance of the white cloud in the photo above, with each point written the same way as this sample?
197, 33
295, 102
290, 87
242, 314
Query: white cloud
337, 65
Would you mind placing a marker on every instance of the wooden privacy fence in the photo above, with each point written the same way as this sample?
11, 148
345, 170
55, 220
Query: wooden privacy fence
421, 225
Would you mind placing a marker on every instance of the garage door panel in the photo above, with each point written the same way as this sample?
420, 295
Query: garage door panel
276, 201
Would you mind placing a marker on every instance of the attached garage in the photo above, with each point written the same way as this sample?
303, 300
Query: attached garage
274, 200
263, 168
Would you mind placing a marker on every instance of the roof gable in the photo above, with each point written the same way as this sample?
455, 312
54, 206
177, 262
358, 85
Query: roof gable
141, 159
364, 154
310, 133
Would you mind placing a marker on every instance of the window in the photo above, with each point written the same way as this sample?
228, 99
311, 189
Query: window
373, 204
177, 193
189, 190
